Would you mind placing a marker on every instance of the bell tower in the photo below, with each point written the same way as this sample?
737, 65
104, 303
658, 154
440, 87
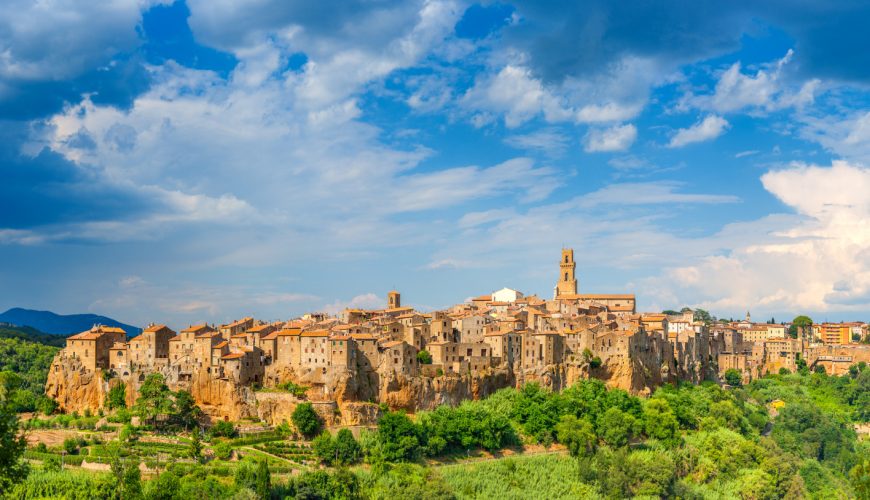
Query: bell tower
394, 299
567, 284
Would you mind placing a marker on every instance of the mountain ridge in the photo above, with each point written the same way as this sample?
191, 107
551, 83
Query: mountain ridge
61, 324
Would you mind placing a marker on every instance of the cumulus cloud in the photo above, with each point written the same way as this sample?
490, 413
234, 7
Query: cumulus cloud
845, 134
616, 138
818, 262
766, 90
709, 128
363, 301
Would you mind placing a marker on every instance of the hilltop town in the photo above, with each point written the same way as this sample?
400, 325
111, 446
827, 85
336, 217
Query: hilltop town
349, 364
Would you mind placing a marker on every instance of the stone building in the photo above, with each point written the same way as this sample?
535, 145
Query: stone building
151, 346
91, 347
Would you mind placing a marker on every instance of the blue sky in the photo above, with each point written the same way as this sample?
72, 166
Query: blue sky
189, 161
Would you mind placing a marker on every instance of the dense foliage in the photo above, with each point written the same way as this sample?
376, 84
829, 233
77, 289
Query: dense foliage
162, 408
24, 365
306, 420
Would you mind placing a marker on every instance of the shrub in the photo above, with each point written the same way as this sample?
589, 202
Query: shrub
71, 446
222, 428
424, 358
733, 377
306, 420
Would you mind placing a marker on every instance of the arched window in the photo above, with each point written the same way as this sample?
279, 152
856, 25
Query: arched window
566, 276
566, 258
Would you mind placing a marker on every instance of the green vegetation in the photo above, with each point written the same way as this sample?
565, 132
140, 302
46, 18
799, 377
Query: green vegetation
23, 371
117, 396
162, 408
424, 358
12, 444
293, 388
733, 377
306, 420
797, 323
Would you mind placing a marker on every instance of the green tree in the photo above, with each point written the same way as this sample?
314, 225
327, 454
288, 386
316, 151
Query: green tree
800, 322
424, 358
155, 399
324, 447
166, 486
222, 428
616, 427
659, 420
196, 445
347, 449
784, 371
187, 414
578, 435
12, 444
704, 317
733, 377
306, 420
117, 396
398, 437
860, 476
263, 480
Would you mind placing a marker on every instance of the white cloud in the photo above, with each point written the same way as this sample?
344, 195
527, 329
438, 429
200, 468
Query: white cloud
846, 135
364, 301
616, 138
548, 140
767, 90
514, 92
819, 262
709, 128
62, 39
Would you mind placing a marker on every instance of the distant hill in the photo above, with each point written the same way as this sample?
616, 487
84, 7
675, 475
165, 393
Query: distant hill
59, 324
31, 334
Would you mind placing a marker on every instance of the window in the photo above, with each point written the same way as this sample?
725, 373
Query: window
566, 276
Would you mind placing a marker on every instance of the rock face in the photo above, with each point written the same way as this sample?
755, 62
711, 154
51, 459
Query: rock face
73, 387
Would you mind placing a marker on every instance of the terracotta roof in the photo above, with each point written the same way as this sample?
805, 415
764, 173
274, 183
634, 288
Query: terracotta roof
195, 328
175, 338
271, 336
208, 335
220, 345
95, 333
315, 333
398, 309
393, 343
240, 336
154, 328
341, 337
363, 336
289, 332
259, 328
233, 355
482, 298
237, 322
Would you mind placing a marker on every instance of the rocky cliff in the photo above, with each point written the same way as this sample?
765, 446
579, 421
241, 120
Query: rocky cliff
73, 387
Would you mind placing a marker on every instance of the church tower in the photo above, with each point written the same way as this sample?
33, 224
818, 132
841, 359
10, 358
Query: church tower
394, 300
567, 284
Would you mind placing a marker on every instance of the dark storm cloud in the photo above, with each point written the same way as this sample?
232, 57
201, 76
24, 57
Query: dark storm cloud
581, 38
